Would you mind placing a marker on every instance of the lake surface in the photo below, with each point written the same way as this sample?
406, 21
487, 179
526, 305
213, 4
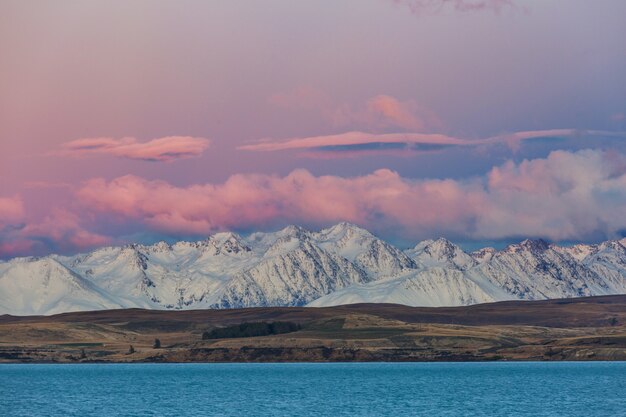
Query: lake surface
339, 389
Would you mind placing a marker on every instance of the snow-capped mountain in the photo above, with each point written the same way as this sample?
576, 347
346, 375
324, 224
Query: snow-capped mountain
45, 286
441, 252
432, 287
376, 257
293, 266
530, 270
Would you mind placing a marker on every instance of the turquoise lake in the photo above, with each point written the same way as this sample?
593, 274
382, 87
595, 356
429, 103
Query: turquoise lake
337, 389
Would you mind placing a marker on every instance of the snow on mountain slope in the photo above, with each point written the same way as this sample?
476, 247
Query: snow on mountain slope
608, 260
578, 252
164, 276
119, 271
376, 257
294, 266
441, 252
44, 286
434, 287
483, 255
532, 270
294, 277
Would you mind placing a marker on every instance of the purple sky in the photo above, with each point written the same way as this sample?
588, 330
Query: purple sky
478, 120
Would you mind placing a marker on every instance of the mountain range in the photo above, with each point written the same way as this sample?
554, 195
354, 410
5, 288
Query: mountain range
342, 264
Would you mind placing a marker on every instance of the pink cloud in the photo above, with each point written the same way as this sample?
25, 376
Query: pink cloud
396, 112
262, 200
60, 228
383, 111
63, 227
162, 150
514, 140
565, 196
16, 248
352, 144
379, 112
12, 214
353, 139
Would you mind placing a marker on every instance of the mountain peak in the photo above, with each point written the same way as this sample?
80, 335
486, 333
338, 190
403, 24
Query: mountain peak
484, 254
531, 245
441, 247
347, 225
224, 236
613, 245
342, 229
228, 242
292, 231
535, 245
440, 252
161, 246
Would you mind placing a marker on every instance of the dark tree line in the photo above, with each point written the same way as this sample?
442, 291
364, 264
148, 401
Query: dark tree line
252, 330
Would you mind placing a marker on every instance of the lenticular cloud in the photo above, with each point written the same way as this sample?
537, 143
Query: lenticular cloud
164, 149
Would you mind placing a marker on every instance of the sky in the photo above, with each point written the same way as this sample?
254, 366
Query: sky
482, 121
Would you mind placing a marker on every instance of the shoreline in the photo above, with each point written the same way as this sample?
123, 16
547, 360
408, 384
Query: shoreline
569, 360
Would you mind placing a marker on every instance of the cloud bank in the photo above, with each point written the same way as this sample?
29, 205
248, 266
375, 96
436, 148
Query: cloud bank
157, 150
59, 230
573, 196
564, 196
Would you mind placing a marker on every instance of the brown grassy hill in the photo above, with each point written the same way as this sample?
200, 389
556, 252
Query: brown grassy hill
592, 328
